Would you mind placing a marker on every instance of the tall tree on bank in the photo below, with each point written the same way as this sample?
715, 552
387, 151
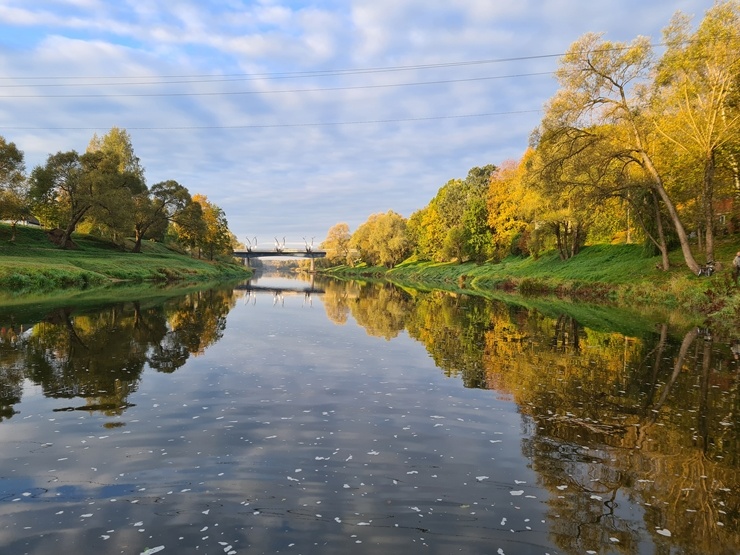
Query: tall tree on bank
70, 187
118, 141
216, 237
697, 90
60, 196
602, 84
114, 156
336, 243
382, 239
13, 186
166, 202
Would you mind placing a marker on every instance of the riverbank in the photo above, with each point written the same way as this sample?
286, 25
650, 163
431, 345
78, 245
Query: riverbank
32, 263
615, 274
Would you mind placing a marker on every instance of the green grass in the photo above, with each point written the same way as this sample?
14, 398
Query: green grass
33, 263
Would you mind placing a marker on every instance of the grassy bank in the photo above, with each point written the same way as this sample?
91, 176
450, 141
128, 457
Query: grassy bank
617, 274
33, 263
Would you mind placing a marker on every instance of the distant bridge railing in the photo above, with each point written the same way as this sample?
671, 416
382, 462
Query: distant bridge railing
249, 254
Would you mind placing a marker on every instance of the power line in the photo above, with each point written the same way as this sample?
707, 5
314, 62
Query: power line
277, 125
283, 91
299, 74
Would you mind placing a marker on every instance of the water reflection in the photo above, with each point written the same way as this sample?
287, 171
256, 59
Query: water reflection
99, 356
631, 433
627, 432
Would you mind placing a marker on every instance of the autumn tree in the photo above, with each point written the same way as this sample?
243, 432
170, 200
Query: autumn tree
336, 243
427, 231
382, 239
697, 92
216, 237
603, 85
13, 186
506, 198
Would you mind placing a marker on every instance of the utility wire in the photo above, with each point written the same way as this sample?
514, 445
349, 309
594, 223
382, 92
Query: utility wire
283, 91
300, 74
278, 125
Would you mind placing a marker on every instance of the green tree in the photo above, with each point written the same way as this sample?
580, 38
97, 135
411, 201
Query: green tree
70, 187
165, 202
190, 227
59, 194
117, 141
13, 185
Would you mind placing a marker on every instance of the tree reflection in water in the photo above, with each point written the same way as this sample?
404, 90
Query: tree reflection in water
626, 431
99, 355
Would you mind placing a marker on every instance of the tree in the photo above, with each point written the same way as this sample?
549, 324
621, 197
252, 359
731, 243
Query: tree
697, 88
117, 141
505, 199
455, 223
165, 202
13, 186
57, 189
427, 231
603, 84
336, 243
216, 237
115, 218
70, 187
382, 239
190, 226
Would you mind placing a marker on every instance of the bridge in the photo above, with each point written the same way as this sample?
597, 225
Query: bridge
279, 251
250, 253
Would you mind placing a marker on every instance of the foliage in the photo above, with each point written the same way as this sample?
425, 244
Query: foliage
103, 192
13, 189
696, 90
382, 239
215, 238
336, 243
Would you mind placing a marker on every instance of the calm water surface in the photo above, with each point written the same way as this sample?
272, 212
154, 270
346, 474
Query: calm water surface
328, 418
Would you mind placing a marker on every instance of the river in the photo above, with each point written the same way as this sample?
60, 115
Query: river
284, 416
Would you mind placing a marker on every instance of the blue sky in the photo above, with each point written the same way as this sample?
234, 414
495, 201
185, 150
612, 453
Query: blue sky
295, 115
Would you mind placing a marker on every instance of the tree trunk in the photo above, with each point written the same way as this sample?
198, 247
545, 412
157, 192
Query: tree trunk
65, 241
657, 183
577, 234
559, 241
661, 235
708, 202
138, 235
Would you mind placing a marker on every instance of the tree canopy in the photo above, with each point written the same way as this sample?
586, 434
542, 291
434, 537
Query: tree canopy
103, 192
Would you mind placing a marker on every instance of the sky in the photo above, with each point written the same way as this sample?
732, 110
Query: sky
295, 115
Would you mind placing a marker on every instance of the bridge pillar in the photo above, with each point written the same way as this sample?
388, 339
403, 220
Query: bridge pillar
312, 264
